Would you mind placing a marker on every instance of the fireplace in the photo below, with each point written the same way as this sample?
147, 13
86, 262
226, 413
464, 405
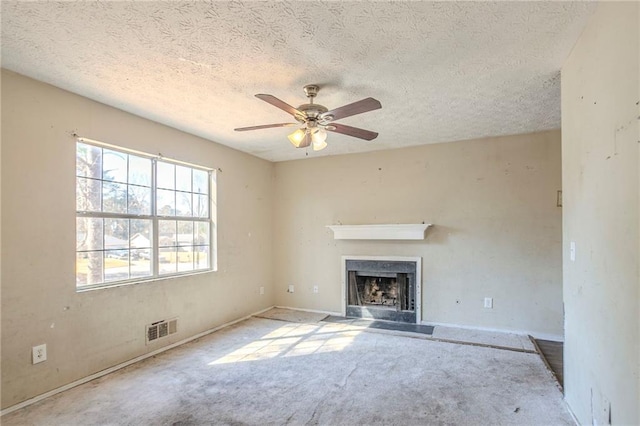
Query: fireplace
382, 288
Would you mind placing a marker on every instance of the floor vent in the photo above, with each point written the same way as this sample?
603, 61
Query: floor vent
160, 329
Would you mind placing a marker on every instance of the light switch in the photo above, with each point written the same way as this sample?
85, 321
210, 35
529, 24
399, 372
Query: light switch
572, 251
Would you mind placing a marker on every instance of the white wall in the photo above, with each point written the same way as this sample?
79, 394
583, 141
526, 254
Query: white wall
497, 228
600, 135
90, 331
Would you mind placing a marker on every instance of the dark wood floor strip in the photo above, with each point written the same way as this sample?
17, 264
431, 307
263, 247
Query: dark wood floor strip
552, 352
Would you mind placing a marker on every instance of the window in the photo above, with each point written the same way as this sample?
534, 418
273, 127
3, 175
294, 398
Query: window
139, 217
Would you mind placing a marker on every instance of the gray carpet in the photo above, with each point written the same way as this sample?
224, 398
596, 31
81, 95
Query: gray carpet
269, 372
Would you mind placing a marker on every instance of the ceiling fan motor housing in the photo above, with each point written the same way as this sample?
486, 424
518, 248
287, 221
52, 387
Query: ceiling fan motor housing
311, 112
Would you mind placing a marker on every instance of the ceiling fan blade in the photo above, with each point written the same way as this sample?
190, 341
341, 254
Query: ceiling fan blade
266, 126
365, 105
280, 104
352, 131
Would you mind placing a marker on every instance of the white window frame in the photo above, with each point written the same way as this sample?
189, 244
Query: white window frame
155, 219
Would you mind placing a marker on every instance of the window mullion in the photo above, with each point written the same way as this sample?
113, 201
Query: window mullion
108, 215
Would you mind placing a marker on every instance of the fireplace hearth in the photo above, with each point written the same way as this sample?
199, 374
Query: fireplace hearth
385, 289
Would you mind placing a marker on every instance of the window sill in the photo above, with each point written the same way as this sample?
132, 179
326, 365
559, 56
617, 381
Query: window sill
141, 281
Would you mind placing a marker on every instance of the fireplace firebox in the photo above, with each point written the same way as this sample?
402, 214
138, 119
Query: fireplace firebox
383, 289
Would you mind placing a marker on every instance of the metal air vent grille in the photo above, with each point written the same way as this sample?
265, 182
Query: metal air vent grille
161, 329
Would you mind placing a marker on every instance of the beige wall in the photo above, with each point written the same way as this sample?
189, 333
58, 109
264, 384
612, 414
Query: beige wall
497, 228
493, 203
90, 331
600, 94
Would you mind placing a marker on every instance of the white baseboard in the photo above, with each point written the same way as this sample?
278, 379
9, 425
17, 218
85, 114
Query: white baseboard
122, 365
535, 334
573, 415
315, 311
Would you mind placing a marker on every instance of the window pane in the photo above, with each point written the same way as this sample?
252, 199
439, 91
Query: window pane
183, 204
201, 257
165, 175
88, 161
200, 181
88, 195
89, 233
139, 200
168, 260
114, 197
141, 263
167, 233
116, 234
140, 233
185, 259
116, 265
166, 202
114, 166
139, 171
201, 205
183, 178
89, 268
202, 233
185, 233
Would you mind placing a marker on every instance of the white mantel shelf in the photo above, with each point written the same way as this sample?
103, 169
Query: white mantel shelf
379, 232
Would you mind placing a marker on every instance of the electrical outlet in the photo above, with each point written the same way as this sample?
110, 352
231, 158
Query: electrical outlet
315, 288
39, 353
488, 302
261, 290
290, 290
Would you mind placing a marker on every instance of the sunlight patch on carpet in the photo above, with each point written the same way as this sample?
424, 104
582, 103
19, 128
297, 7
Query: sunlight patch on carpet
293, 340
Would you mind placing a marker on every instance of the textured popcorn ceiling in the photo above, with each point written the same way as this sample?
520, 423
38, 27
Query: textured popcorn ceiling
442, 71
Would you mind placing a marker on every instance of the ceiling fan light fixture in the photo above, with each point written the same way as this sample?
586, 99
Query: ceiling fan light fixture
319, 138
296, 138
319, 146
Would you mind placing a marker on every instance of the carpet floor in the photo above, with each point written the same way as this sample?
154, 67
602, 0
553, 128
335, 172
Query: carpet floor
273, 372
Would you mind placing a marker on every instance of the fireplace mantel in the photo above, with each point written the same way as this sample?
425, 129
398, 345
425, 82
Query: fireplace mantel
379, 232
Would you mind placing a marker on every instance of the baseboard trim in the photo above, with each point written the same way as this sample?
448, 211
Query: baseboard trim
315, 311
573, 415
543, 336
117, 367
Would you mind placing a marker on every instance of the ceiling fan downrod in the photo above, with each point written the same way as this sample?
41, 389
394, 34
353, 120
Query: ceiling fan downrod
310, 111
311, 90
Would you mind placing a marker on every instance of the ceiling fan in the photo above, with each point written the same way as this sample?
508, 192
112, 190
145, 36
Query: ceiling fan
317, 120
